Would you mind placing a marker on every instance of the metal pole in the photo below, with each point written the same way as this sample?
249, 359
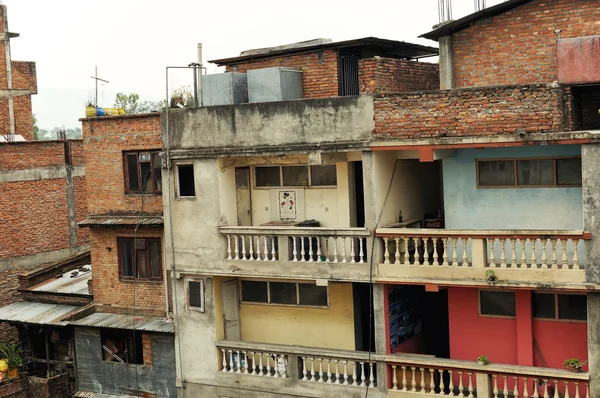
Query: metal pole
195, 68
200, 73
96, 98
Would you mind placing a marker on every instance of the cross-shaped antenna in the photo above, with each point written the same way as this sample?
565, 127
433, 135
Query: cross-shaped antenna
96, 78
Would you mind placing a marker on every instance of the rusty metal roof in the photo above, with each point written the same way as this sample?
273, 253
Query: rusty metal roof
66, 284
123, 321
120, 220
36, 313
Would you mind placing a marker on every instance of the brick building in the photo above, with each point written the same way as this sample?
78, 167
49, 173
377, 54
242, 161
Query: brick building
128, 327
42, 184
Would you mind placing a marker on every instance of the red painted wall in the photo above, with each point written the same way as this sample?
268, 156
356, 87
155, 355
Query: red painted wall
578, 60
559, 341
472, 336
506, 340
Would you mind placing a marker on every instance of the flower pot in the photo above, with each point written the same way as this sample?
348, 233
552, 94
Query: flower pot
575, 370
13, 373
482, 363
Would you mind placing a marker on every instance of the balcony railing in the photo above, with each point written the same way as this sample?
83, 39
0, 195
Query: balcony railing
412, 376
296, 244
301, 364
494, 249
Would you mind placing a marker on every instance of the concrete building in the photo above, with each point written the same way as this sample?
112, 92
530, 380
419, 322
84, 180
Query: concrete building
379, 243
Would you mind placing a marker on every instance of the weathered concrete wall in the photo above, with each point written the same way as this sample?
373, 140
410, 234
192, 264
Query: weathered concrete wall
590, 162
96, 375
342, 120
593, 335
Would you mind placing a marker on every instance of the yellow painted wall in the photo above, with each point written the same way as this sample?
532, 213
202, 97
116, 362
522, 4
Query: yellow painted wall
329, 206
331, 327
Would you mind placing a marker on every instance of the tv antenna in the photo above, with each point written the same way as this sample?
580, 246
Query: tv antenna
96, 78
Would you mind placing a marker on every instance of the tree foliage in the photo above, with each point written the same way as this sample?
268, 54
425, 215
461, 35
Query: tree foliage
132, 105
36, 129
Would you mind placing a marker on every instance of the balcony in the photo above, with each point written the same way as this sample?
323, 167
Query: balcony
301, 370
307, 371
308, 252
501, 257
415, 377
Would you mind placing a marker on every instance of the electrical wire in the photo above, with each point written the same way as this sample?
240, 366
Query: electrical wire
371, 269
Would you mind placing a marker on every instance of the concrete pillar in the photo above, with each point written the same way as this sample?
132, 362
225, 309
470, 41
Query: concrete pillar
379, 319
590, 162
524, 328
593, 324
446, 63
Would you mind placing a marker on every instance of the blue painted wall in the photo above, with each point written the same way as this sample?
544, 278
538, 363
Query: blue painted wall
467, 207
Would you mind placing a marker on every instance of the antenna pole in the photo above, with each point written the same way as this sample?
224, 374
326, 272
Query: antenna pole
96, 78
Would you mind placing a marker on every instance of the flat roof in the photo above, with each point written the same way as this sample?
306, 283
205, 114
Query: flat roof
451, 27
392, 48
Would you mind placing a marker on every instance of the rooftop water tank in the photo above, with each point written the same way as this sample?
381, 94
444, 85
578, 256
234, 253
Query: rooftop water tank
274, 84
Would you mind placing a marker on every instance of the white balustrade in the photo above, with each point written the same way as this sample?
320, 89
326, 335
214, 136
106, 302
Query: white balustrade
296, 244
348, 372
427, 377
456, 248
256, 363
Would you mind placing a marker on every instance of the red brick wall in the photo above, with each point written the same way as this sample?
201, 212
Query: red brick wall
105, 139
471, 112
9, 283
23, 117
108, 288
388, 75
34, 214
83, 234
320, 79
24, 75
519, 46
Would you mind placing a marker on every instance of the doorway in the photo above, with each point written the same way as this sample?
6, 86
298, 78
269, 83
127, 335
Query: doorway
243, 196
364, 325
358, 208
231, 310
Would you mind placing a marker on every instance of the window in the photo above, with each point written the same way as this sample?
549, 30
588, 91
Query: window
497, 303
185, 181
295, 176
560, 306
123, 346
139, 258
142, 173
195, 294
540, 172
284, 293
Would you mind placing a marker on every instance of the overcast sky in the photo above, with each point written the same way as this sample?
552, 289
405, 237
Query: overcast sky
132, 41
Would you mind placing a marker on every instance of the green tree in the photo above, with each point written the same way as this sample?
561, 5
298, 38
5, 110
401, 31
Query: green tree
132, 105
36, 129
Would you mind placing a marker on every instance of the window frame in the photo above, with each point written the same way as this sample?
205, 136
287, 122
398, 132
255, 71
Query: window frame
297, 283
480, 314
515, 161
177, 187
556, 310
282, 185
153, 154
128, 335
190, 307
132, 241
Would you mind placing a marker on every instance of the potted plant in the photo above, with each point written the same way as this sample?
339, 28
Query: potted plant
12, 353
482, 360
490, 275
574, 364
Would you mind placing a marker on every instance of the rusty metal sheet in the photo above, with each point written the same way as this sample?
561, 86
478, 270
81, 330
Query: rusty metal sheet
108, 221
36, 313
579, 60
123, 321
65, 284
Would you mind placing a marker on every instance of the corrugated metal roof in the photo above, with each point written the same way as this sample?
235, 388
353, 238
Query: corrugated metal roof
36, 313
108, 221
65, 284
123, 321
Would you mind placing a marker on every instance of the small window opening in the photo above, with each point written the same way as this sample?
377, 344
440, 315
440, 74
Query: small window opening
196, 295
124, 346
185, 179
586, 103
